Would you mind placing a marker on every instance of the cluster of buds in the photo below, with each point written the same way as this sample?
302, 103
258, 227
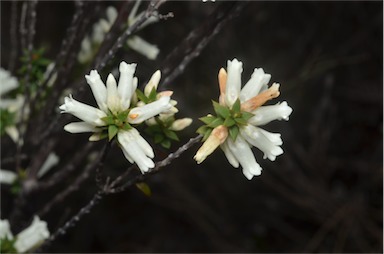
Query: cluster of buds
239, 113
121, 107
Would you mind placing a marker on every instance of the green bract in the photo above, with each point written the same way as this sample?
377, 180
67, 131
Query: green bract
7, 118
161, 133
232, 118
114, 123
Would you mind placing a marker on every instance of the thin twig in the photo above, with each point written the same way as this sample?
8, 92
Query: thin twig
197, 40
76, 184
73, 221
152, 8
72, 33
27, 93
157, 167
108, 188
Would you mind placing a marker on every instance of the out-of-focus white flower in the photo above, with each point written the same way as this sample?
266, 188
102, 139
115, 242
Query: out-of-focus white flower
180, 124
240, 112
116, 114
137, 43
7, 177
5, 230
102, 27
33, 236
9, 83
143, 47
51, 161
28, 239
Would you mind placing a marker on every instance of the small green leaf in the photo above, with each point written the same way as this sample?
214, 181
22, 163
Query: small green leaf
171, 134
236, 106
144, 188
7, 245
233, 132
229, 122
241, 121
112, 131
206, 134
122, 116
166, 143
202, 129
221, 110
158, 138
207, 119
218, 121
141, 96
127, 127
246, 115
108, 119
152, 95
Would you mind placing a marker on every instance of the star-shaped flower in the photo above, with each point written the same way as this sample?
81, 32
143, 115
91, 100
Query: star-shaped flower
116, 113
239, 113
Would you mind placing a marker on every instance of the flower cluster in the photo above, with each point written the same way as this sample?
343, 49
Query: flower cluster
9, 107
27, 240
90, 43
119, 110
239, 113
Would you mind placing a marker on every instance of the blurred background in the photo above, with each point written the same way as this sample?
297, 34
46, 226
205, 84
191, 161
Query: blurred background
324, 194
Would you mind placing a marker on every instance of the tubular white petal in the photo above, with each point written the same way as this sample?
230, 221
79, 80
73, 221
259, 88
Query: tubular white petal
134, 86
133, 12
7, 81
13, 133
80, 127
7, 177
111, 14
49, 163
254, 85
125, 87
152, 83
113, 98
98, 89
230, 157
143, 47
5, 230
181, 124
139, 114
83, 111
32, 236
129, 142
262, 140
95, 137
266, 114
243, 153
233, 85
146, 148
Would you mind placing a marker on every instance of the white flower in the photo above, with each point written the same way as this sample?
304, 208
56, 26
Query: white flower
32, 236
28, 239
99, 30
116, 114
51, 161
7, 177
137, 43
5, 230
14, 105
241, 120
143, 47
180, 124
